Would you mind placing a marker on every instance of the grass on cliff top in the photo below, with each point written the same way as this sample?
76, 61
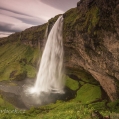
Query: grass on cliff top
17, 59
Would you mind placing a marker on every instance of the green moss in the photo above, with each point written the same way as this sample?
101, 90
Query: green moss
53, 20
60, 110
31, 71
5, 104
88, 93
72, 84
81, 82
70, 21
17, 60
98, 105
8, 71
80, 22
63, 110
36, 55
114, 106
85, 76
29, 54
92, 18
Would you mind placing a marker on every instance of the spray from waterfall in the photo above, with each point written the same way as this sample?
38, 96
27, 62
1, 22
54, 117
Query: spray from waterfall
50, 74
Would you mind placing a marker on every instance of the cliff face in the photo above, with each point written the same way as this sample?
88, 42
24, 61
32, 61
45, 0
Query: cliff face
91, 43
33, 36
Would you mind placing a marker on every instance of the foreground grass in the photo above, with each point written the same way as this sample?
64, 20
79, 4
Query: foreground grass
82, 106
60, 110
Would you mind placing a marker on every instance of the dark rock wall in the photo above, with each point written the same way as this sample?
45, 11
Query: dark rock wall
91, 41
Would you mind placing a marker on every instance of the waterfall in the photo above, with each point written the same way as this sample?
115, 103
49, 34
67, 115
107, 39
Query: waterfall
50, 74
46, 32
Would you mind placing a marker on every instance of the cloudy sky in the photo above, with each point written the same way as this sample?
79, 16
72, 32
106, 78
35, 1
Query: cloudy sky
17, 15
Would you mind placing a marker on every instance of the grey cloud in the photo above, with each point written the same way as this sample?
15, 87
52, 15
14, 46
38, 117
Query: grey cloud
28, 19
20, 13
5, 33
32, 21
61, 4
5, 27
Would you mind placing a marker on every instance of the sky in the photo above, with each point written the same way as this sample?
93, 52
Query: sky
17, 15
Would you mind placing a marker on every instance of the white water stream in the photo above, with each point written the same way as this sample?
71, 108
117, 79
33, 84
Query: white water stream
50, 74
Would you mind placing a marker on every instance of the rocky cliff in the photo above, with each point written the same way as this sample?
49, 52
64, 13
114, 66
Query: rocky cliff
91, 43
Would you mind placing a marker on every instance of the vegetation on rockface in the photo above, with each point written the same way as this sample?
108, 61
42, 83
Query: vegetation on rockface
53, 20
82, 76
71, 17
89, 30
77, 21
91, 21
20, 53
33, 34
12, 38
116, 11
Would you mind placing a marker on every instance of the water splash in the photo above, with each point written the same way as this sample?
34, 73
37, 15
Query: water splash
50, 74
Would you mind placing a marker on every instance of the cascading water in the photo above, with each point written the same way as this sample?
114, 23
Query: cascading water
50, 74
49, 85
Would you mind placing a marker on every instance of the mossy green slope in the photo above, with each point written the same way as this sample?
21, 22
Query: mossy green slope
72, 84
88, 93
18, 61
